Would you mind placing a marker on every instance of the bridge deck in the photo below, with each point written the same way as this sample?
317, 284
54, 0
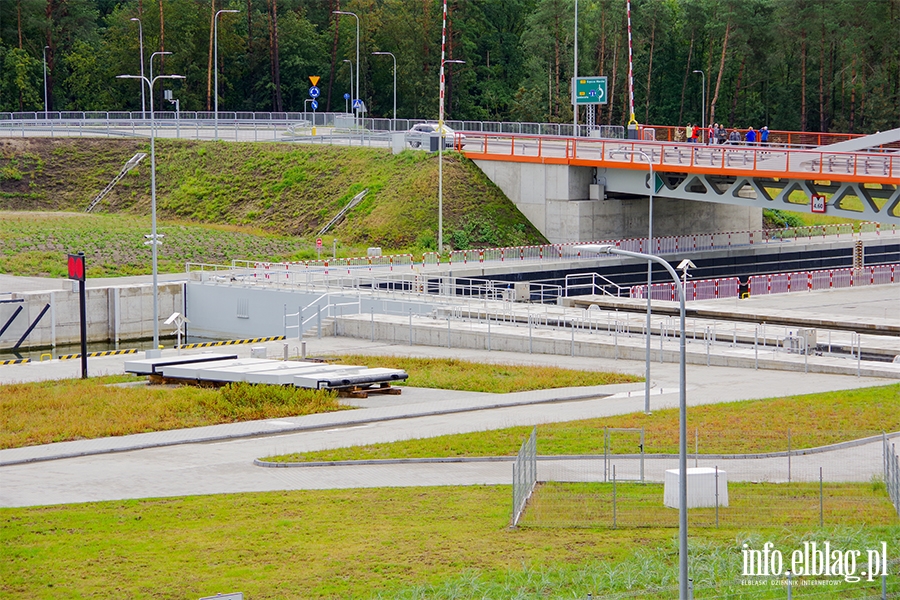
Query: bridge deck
739, 160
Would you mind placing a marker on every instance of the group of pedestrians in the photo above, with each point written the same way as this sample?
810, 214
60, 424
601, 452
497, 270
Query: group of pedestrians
719, 134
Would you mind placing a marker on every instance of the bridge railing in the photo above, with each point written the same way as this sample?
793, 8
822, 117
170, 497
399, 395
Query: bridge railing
726, 159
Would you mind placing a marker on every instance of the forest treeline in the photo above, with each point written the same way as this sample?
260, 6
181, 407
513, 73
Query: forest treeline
811, 65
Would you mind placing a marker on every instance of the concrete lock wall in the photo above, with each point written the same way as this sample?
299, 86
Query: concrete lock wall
559, 201
228, 311
113, 314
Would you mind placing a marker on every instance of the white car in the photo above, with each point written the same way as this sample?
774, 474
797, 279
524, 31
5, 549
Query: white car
419, 133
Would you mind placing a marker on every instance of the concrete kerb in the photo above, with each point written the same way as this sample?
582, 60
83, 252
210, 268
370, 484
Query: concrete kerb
263, 428
462, 459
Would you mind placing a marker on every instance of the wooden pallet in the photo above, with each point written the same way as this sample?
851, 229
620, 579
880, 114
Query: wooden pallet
358, 391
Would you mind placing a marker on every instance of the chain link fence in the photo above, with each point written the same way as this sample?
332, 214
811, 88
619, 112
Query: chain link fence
524, 475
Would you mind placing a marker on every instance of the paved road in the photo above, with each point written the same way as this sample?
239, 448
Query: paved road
226, 465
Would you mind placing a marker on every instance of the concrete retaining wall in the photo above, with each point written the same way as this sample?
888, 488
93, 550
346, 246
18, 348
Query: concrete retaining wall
113, 314
557, 200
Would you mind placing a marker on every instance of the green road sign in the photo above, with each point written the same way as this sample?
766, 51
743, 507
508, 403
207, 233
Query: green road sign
589, 90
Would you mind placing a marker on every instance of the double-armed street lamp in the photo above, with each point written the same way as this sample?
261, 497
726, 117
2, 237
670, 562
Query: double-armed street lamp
141, 40
153, 237
216, 65
395, 84
354, 15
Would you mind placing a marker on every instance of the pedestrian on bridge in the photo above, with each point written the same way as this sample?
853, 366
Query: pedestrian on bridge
734, 137
750, 138
711, 134
721, 134
764, 136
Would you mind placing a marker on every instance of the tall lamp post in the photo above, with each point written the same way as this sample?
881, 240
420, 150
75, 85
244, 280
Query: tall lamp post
45, 81
141, 39
395, 84
216, 65
350, 62
153, 237
441, 158
703, 99
649, 270
682, 417
575, 77
354, 15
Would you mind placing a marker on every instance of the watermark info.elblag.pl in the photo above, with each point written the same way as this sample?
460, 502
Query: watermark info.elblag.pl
827, 564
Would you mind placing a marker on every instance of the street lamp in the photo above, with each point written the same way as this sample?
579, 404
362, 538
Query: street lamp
153, 237
682, 417
141, 38
344, 12
45, 81
395, 85
649, 271
441, 158
216, 64
350, 62
575, 77
703, 99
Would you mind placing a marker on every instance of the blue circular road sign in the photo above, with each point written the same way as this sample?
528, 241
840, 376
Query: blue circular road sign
314, 92
315, 104
346, 96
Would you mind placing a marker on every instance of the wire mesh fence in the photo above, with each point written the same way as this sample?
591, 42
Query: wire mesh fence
524, 475
784, 479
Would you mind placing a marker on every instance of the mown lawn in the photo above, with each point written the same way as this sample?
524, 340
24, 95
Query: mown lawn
731, 428
410, 543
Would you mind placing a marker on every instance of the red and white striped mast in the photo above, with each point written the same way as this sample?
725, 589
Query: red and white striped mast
631, 120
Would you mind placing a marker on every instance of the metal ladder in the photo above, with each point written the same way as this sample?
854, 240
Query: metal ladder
132, 162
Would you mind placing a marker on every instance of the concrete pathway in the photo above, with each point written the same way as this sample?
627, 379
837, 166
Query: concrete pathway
219, 459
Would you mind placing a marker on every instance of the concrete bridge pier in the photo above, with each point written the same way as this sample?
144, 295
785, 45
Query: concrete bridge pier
578, 203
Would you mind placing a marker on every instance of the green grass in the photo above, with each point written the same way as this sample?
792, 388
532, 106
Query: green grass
284, 189
730, 428
455, 374
435, 543
56, 411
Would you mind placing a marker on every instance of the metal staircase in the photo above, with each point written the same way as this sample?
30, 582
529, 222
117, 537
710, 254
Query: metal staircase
132, 162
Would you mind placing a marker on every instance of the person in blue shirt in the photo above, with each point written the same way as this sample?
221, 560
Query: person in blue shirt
750, 138
764, 136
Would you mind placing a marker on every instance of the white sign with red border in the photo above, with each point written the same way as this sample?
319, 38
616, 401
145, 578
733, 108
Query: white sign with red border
817, 203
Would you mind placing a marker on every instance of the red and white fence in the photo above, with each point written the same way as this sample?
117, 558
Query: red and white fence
778, 283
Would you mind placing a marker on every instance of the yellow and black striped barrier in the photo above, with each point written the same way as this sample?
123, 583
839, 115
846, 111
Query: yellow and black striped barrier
15, 361
98, 354
233, 342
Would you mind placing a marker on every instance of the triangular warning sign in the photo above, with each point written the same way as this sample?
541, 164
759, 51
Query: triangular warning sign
314, 79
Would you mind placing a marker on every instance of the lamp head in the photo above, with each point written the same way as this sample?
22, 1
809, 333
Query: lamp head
596, 248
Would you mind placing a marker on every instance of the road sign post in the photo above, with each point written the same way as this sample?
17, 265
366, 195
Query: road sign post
817, 203
319, 248
76, 265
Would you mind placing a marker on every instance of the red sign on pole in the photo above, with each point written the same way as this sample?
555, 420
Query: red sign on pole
76, 267
319, 243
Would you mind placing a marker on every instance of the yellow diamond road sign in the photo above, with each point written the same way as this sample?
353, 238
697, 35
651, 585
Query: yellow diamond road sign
314, 79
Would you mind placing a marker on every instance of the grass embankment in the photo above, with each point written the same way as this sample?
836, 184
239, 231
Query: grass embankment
733, 428
41, 413
286, 189
436, 543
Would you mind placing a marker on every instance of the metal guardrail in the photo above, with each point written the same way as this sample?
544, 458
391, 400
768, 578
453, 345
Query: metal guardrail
662, 133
